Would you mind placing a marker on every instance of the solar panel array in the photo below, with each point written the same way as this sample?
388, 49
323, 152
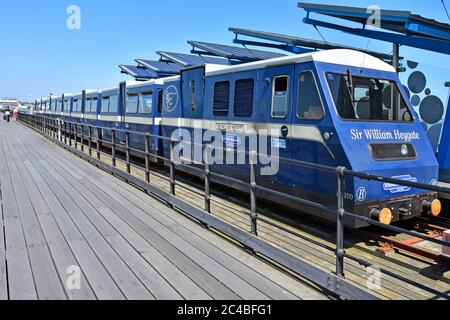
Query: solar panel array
234, 53
139, 73
172, 63
161, 67
190, 60
301, 42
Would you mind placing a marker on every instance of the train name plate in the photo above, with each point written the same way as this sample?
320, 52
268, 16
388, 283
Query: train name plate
231, 127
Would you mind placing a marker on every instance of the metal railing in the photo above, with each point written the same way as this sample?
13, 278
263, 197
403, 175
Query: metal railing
73, 133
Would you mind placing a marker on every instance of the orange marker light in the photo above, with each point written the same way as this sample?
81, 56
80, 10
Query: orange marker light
386, 216
436, 208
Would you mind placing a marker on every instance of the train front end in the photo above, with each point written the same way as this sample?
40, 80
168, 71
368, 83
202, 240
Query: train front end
380, 134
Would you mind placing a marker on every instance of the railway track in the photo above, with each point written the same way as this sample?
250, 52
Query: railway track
406, 273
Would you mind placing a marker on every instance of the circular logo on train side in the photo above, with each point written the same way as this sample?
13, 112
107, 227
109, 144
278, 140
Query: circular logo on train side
170, 98
361, 194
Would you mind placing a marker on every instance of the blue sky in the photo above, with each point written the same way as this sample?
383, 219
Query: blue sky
43, 56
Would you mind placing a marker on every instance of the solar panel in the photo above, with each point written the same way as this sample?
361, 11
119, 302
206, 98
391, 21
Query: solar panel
234, 53
301, 42
394, 20
190, 60
139, 72
161, 67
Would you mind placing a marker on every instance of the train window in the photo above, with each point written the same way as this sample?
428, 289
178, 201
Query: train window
113, 103
221, 104
309, 103
146, 103
280, 96
160, 100
132, 103
368, 99
243, 97
75, 106
94, 105
105, 104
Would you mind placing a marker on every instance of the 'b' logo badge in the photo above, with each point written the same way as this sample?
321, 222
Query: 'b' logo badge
361, 194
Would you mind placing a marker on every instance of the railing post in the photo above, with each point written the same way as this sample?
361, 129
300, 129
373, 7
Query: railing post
113, 148
55, 129
128, 153
65, 132
58, 130
75, 135
70, 134
340, 250
99, 131
82, 137
208, 178
172, 168
90, 140
147, 157
253, 196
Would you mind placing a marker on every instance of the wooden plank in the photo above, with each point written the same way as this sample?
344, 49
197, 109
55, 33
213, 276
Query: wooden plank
3, 271
46, 278
162, 263
137, 264
225, 276
174, 275
157, 285
20, 277
3, 282
99, 279
61, 253
129, 284
263, 284
238, 261
189, 267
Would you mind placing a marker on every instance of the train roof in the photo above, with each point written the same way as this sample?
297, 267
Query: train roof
345, 57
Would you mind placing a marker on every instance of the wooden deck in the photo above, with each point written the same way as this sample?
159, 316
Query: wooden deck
59, 213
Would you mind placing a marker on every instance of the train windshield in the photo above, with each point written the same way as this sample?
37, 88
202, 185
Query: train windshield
368, 99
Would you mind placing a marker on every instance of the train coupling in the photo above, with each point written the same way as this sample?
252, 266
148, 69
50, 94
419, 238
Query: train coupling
432, 207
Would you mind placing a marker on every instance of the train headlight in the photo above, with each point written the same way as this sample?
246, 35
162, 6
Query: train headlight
432, 207
404, 150
384, 215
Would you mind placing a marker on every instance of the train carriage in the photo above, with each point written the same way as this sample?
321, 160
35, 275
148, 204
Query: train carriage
334, 108
66, 110
110, 116
90, 109
142, 115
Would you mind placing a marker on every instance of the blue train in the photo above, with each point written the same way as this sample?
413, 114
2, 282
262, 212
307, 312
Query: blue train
334, 108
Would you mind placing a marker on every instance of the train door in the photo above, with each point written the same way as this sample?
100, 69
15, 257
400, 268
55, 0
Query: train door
279, 96
310, 144
192, 96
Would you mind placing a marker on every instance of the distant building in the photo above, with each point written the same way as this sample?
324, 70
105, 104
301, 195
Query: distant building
9, 103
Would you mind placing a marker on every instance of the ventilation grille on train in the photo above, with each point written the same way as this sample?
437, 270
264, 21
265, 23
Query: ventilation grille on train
392, 151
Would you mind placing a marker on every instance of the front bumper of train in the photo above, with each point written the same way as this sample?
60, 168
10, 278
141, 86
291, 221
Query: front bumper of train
399, 209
